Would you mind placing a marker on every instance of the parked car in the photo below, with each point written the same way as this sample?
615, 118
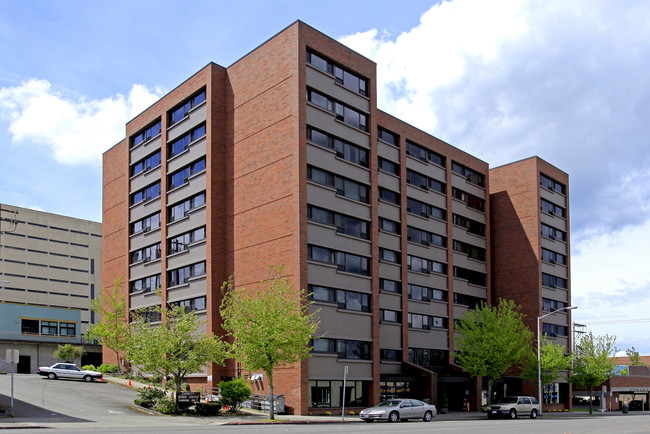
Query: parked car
394, 410
636, 404
68, 370
512, 406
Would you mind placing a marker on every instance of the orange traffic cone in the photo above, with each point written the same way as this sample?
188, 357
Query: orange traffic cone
129, 381
149, 386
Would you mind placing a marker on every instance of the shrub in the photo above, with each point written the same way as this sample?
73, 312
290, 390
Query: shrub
150, 394
107, 368
144, 403
234, 393
165, 406
89, 368
208, 408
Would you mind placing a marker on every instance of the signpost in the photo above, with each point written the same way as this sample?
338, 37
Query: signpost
345, 374
12, 357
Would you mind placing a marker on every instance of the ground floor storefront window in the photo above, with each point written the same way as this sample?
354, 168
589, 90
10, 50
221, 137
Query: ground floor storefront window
395, 389
328, 393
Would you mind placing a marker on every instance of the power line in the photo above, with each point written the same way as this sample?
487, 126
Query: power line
617, 321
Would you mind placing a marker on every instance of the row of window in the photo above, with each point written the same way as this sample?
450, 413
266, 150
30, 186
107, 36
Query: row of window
182, 176
387, 136
326, 393
552, 209
553, 233
146, 164
349, 300
425, 238
389, 196
50, 328
553, 330
553, 281
53, 240
473, 252
387, 166
180, 112
343, 113
472, 201
347, 262
176, 212
182, 143
423, 154
344, 186
345, 349
146, 194
472, 277
389, 255
425, 322
342, 76
191, 304
425, 210
146, 134
470, 301
343, 149
424, 293
343, 223
469, 174
553, 257
549, 305
424, 182
182, 275
472, 226
389, 226
423, 265
146, 254
428, 357
551, 184
183, 242
146, 284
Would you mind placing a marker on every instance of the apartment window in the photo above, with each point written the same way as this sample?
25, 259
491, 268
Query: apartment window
146, 254
387, 136
390, 355
147, 134
182, 176
148, 314
551, 184
342, 76
553, 257
388, 196
393, 316
146, 194
473, 252
552, 233
472, 277
425, 238
425, 210
347, 151
29, 326
344, 187
428, 357
553, 281
343, 113
549, 305
472, 226
147, 284
183, 242
68, 329
424, 293
146, 224
469, 174
181, 144
417, 151
422, 181
181, 112
472, 201
182, 209
344, 224
192, 304
183, 275
388, 285
323, 345
389, 255
425, 322
389, 226
347, 262
388, 166
349, 349
146, 164
348, 300
49, 328
422, 265
552, 209
554, 330
469, 300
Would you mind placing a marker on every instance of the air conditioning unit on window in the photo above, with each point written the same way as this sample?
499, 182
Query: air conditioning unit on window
146, 259
146, 229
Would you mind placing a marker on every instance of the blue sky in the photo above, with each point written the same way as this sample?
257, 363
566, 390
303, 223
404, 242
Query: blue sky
503, 80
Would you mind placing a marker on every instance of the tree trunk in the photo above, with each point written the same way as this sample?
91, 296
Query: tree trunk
591, 400
117, 357
490, 386
271, 407
177, 380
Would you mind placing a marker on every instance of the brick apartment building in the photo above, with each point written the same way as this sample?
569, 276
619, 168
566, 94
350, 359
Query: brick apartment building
284, 158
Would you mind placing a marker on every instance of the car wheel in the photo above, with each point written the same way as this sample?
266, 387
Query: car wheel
88, 378
427, 416
393, 416
51, 376
513, 414
533, 414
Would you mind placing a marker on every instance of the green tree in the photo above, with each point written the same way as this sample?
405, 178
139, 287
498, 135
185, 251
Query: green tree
593, 362
271, 326
69, 353
634, 357
491, 340
112, 330
553, 361
175, 347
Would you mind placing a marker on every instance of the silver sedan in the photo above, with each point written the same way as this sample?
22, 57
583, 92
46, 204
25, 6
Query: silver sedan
399, 409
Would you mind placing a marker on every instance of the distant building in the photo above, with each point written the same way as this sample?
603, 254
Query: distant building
49, 272
284, 158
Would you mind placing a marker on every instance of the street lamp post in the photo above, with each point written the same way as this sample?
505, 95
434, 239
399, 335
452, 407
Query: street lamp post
539, 358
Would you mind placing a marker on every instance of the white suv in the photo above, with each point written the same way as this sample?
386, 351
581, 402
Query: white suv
511, 406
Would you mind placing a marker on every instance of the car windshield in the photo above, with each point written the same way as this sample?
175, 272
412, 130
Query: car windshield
508, 400
390, 404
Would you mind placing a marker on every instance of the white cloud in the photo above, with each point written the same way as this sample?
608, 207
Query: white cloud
76, 131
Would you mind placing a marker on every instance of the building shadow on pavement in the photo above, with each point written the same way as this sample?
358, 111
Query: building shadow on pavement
26, 412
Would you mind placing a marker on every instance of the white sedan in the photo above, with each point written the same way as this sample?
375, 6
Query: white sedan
68, 370
399, 409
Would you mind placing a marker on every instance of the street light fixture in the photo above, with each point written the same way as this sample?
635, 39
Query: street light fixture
539, 361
